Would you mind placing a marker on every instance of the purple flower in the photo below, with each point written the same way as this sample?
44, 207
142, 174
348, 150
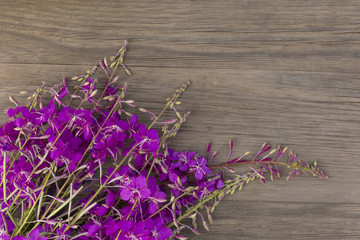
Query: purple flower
93, 229
63, 153
112, 137
21, 174
61, 93
207, 187
11, 112
156, 197
122, 176
136, 190
32, 116
61, 233
111, 227
147, 140
8, 135
133, 125
199, 167
183, 160
101, 211
177, 183
134, 231
96, 228
110, 91
33, 235
47, 112
7, 224
158, 229
80, 117
17, 238
110, 201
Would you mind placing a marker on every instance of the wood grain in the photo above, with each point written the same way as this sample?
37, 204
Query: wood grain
281, 71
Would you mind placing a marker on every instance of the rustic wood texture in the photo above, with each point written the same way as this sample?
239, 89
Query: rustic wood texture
281, 71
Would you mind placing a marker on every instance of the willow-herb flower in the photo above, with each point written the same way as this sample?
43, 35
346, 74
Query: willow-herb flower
83, 166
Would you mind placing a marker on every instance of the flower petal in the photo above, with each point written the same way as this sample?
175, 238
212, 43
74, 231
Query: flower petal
125, 194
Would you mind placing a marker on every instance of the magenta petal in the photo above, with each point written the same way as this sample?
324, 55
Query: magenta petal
153, 134
87, 132
160, 196
145, 193
110, 199
11, 112
34, 234
77, 157
133, 120
101, 211
139, 227
112, 229
154, 146
123, 125
198, 175
164, 233
125, 194
149, 224
219, 184
152, 208
93, 229
126, 225
19, 122
206, 169
173, 177
140, 182
143, 129
16, 238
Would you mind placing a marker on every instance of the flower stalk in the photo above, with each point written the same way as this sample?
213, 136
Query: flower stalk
55, 183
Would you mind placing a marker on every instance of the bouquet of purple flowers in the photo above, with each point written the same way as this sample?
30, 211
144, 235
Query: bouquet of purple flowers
80, 165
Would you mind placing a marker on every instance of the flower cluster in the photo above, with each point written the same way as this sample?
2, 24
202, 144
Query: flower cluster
80, 165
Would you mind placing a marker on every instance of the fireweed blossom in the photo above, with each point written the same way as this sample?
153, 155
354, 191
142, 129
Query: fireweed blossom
136, 190
199, 166
84, 166
157, 229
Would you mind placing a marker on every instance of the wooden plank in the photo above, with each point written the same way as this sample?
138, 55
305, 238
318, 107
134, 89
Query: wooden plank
279, 34
280, 71
317, 122
269, 220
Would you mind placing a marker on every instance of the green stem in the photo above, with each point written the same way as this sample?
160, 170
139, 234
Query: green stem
202, 202
34, 204
167, 205
295, 166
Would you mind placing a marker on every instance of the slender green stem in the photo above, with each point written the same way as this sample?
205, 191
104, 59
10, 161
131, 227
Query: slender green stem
4, 178
202, 202
34, 204
295, 166
35, 168
167, 205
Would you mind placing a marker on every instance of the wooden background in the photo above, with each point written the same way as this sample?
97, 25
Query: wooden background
282, 71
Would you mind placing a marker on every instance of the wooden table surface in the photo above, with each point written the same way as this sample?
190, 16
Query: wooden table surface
280, 71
